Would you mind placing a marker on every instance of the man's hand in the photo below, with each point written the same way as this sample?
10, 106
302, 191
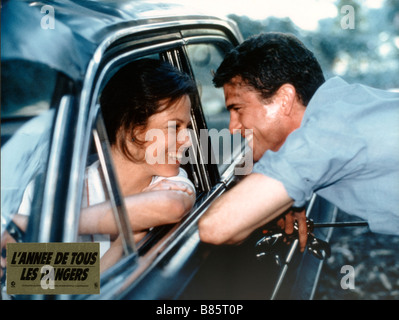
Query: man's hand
287, 223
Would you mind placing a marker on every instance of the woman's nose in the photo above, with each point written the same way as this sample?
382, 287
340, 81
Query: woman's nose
184, 138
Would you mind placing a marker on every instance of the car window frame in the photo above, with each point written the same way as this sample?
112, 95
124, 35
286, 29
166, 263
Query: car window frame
124, 37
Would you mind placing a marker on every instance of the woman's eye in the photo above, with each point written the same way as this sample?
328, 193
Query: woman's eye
178, 127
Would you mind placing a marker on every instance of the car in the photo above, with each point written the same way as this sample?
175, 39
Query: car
55, 59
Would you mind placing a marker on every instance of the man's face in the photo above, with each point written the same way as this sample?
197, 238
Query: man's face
249, 111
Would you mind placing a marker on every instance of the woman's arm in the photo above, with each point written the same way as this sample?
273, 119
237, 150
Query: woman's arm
163, 204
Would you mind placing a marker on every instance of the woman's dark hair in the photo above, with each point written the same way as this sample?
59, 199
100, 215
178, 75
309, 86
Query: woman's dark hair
267, 61
138, 91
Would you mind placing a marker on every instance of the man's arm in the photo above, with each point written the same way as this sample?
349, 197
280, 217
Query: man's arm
249, 205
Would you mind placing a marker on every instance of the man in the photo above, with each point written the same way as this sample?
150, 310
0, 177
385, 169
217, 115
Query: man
338, 140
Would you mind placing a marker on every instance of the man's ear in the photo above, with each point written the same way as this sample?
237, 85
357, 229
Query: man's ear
286, 94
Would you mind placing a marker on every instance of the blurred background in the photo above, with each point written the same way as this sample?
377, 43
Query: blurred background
359, 43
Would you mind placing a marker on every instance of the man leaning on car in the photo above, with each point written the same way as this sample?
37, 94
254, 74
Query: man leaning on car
309, 135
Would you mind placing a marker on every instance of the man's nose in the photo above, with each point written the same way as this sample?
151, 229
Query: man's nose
235, 124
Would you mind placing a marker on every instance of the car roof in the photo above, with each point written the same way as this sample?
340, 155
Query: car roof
79, 28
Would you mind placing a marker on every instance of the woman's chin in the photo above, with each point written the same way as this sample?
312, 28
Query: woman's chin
169, 170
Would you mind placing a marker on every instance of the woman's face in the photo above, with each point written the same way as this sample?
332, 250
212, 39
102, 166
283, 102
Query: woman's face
166, 138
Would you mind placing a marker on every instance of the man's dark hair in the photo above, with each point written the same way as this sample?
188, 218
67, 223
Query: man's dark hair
136, 92
267, 61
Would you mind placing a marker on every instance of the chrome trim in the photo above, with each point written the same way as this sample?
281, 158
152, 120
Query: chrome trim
229, 172
132, 54
329, 234
75, 187
199, 159
116, 198
53, 168
200, 39
290, 254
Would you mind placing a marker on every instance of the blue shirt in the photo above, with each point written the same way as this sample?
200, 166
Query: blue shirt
347, 151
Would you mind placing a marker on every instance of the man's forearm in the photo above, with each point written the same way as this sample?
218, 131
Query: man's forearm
250, 204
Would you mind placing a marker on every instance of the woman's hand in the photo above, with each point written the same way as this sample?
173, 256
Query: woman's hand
167, 184
20, 222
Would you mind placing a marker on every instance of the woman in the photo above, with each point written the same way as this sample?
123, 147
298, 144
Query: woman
146, 99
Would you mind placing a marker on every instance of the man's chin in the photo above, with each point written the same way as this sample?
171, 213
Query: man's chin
257, 157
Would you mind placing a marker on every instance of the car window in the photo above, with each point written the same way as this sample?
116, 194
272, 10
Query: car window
27, 89
23, 160
205, 58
